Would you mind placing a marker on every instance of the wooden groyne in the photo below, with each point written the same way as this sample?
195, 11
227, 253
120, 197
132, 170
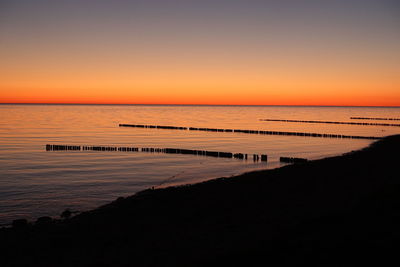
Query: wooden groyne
377, 119
337, 122
292, 160
62, 147
252, 131
216, 154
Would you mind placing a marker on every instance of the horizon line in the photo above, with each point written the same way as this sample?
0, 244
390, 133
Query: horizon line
158, 104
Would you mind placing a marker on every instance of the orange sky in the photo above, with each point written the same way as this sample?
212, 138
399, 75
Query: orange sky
308, 84
87, 60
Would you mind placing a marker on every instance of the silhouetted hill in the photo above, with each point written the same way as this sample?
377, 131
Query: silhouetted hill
342, 209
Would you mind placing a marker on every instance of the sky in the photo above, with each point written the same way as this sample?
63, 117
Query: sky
227, 52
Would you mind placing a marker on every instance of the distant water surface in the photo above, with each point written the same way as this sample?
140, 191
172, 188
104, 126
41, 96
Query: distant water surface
36, 183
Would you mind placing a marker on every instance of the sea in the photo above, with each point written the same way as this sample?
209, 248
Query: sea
35, 182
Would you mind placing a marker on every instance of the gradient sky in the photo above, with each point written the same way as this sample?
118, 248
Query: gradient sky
277, 52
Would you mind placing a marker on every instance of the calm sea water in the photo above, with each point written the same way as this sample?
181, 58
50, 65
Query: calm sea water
34, 182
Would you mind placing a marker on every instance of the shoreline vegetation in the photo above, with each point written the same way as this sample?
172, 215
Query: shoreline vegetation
343, 209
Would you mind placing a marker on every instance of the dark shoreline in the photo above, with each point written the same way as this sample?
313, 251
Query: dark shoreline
343, 209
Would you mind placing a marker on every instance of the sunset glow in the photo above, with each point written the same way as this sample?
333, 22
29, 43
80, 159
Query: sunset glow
213, 52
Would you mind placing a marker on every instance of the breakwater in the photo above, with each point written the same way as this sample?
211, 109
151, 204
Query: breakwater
320, 135
216, 154
378, 119
336, 122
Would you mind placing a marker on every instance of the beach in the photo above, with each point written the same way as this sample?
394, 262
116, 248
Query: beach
333, 210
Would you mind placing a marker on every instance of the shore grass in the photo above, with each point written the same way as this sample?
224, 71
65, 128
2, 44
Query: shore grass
343, 209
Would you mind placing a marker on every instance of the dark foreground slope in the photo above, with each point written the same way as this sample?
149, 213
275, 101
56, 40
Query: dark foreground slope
335, 210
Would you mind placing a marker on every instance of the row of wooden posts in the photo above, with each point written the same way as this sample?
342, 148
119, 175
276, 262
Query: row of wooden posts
378, 119
250, 131
337, 122
216, 154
